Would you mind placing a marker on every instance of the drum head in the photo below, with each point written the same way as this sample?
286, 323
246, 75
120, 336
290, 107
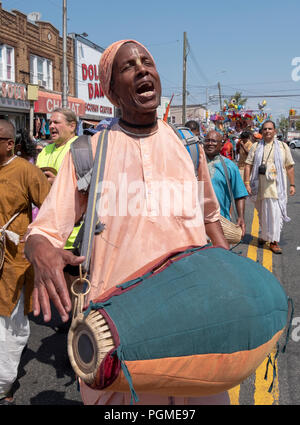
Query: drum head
89, 340
85, 350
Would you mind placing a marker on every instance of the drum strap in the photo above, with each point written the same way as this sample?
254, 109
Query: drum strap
11, 235
91, 224
194, 153
235, 214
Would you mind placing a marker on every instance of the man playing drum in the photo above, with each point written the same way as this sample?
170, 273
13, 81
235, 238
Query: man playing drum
141, 226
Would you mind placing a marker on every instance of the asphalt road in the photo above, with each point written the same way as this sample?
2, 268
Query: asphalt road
46, 377
286, 268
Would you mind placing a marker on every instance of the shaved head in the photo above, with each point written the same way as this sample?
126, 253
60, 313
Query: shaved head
7, 140
7, 129
215, 135
213, 143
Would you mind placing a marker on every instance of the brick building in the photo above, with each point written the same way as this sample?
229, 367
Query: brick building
193, 112
31, 53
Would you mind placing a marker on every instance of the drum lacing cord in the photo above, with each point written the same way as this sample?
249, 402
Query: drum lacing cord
120, 354
274, 368
290, 301
234, 246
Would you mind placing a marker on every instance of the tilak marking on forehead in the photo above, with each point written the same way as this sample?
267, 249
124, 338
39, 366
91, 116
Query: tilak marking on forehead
137, 54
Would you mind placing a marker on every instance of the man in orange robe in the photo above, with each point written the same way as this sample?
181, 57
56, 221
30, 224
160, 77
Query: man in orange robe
142, 154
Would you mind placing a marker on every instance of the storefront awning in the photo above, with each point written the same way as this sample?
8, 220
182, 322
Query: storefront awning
48, 101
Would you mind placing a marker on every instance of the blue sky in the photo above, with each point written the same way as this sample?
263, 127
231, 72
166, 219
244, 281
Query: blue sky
247, 46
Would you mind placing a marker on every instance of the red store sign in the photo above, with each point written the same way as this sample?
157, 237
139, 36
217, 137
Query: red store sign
13, 91
47, 102
94, 88
13, 95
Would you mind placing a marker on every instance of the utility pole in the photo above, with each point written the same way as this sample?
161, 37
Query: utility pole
220, 96
184, 80
206, 113
65, 69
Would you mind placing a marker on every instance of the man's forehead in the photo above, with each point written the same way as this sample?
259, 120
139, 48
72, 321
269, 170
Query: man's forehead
129, 50
57, 116
6, 129
215, 135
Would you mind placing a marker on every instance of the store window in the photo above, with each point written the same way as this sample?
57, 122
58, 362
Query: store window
7, 63
41, 72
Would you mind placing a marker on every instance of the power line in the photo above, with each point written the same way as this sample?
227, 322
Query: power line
267, 95
192, 56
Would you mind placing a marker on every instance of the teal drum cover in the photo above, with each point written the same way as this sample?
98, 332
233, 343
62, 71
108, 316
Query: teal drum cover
205, 300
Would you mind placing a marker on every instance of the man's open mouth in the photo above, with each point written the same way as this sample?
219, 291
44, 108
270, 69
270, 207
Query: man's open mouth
145, 89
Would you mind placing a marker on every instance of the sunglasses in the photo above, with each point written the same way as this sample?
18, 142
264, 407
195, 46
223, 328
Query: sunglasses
5, 138
212, 141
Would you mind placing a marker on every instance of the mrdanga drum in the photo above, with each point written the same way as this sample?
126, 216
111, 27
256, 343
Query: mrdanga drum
198, 323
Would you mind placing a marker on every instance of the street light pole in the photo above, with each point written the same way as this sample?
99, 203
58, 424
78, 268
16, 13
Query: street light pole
65, 69
220, 96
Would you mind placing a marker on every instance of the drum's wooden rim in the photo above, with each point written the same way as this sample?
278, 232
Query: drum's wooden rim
97, 333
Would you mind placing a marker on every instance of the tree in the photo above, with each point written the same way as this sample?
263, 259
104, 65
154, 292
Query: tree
297, 125
283, 125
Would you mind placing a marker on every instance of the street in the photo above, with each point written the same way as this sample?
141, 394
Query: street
46, 377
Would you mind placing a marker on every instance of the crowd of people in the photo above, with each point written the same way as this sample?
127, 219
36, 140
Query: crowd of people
265, 165
146, 150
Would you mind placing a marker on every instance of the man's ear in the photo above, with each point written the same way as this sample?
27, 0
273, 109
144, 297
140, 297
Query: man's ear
74, 125
10, 145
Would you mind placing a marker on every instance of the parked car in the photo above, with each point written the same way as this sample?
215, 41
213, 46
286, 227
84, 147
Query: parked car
295, 143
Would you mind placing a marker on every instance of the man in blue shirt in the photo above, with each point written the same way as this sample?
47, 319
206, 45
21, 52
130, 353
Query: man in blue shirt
212, 148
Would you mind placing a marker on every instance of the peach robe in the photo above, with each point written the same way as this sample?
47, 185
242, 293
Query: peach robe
131, 239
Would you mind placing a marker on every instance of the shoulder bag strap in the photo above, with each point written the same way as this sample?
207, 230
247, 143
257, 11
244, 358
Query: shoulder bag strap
230, 189
81, 150
195, 154
90, 225
10, 221
268, 154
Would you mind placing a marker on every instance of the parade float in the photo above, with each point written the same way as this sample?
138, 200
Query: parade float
234, 115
